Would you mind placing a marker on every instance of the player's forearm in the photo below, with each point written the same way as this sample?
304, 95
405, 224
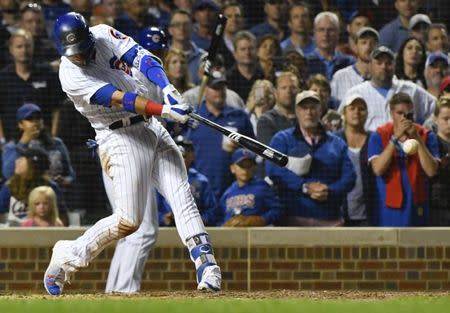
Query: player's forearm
135, 103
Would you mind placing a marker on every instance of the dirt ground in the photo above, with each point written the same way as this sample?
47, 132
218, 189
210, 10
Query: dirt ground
282, 294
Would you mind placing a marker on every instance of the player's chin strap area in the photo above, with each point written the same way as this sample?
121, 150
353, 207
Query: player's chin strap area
201, 253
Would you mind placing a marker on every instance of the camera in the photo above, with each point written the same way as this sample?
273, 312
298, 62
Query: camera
410, 116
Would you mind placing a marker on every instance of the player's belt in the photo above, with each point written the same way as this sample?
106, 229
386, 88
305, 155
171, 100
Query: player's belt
127, 122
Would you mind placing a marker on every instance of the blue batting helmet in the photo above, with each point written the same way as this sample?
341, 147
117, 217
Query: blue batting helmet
152, 38
72, 35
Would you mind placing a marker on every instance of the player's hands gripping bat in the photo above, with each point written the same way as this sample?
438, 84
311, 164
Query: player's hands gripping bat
212, 51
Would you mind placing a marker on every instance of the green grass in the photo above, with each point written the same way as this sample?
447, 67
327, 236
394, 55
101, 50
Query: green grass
121, 305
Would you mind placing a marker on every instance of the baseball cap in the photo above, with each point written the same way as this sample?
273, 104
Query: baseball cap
445, 83
350, 99
38, 156
417, 19
382, 50
216, 78
435, 56
26, 110
205, 4
367, 30
355, 14
306, 94
242, 154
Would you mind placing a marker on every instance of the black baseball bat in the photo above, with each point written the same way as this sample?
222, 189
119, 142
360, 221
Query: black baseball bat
246, 142
212, 51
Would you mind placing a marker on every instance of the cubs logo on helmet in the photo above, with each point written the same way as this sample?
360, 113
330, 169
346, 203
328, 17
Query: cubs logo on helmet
152, 38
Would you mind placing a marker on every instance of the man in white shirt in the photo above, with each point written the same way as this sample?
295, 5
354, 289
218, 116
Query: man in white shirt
383, 85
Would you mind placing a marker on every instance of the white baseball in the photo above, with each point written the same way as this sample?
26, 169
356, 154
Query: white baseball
410, 146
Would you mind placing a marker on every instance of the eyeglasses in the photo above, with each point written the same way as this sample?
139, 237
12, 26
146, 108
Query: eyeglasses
181, 24
31, 7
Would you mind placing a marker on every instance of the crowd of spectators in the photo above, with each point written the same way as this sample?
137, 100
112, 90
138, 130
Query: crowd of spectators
338, 86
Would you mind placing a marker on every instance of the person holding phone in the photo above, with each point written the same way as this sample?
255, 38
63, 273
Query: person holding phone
402, 180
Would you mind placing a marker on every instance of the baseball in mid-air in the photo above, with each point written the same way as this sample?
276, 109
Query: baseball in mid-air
410, 146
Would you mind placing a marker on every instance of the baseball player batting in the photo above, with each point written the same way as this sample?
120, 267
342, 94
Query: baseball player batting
136, 153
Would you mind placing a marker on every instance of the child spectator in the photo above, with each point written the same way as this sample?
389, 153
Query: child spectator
402, 180
42, 208
30, 172
440, 195
249, 201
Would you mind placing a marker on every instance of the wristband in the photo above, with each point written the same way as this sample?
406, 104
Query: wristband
129, 101
153, 108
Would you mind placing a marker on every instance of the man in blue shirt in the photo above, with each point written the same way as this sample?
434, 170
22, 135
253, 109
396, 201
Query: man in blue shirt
212, 149
299, 24
315, 196
249, 201
395, 32
134, 19
273, 23
204, 12
325, 59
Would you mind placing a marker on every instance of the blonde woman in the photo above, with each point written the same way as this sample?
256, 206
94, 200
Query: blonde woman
176, 67
42, 208
260, 100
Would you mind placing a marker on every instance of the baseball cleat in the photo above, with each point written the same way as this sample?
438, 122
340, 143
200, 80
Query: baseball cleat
57, 272
211, 279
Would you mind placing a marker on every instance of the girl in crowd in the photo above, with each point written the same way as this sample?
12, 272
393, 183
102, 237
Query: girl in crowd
410, 61
42, 208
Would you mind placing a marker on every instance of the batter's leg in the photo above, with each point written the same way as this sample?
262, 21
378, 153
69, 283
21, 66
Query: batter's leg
170, 178
129, 152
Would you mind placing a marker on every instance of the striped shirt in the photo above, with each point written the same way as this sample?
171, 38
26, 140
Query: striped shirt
343, 80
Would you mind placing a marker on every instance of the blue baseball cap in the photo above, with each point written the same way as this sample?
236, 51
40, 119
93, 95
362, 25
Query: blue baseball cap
435, 56
205, 4
242, 154
27, 110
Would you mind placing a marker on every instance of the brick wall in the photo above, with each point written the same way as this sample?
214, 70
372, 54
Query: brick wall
364, 259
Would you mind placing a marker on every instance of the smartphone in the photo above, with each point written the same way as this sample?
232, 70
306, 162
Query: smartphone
410, 116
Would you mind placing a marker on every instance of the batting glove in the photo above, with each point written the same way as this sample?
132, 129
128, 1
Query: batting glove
179, 112
172, 95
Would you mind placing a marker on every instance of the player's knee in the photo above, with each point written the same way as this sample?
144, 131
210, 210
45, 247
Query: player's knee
126, 227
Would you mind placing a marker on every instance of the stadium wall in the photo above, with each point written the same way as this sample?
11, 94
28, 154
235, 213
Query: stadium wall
254, 259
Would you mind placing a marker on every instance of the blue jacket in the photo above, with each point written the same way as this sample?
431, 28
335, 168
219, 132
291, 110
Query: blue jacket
330, 165
254, 198
203, 196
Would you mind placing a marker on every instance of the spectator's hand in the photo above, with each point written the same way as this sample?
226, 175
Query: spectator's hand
62, 181
169, 219
403, 128
318, 191
29, 134
245, 221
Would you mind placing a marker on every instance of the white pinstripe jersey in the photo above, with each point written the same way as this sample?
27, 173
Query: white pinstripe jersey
343, 80
81, 83
378, 106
